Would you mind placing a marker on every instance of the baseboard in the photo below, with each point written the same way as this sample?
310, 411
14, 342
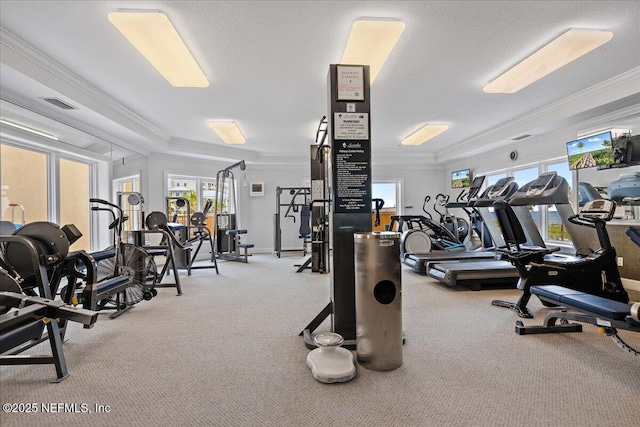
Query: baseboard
630, 284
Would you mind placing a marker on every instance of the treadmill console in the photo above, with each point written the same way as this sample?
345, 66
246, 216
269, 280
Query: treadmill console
599, 209
500, 188
541, 184
476, 185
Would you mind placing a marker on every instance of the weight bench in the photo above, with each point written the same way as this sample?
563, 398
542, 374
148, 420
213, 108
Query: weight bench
234, 246
605, 313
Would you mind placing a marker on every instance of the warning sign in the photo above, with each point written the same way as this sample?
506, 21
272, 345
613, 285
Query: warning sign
351, 125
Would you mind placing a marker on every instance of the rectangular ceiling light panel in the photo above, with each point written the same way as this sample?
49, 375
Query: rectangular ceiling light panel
424, 134
228, 132
158, 41
371, 42
561, 51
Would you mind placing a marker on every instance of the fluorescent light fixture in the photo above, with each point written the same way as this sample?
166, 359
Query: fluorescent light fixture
157, 40
228, 132
27, 129
561, 51
371, 42
424, 134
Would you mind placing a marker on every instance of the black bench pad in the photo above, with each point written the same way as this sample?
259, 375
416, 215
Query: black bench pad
112, 283
586, 302
157, 252
99, 256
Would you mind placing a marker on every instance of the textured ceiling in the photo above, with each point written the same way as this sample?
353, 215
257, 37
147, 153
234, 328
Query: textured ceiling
267, 64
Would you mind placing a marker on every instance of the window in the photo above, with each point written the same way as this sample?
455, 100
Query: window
197, 190
47, 187
130, 184
522, 177
492, 179
75, 190
546, 218
555, 228
386, 191
24, 180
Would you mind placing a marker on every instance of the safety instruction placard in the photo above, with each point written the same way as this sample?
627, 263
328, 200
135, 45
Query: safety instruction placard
352, 176
350, 83
351, 125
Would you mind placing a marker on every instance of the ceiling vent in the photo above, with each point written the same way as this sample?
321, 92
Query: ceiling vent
518, 138
60, 103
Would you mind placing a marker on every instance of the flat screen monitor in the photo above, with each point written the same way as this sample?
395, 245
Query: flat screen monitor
461, 179
590, 152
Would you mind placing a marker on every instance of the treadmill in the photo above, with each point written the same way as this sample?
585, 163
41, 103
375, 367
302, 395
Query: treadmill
420, 262
548, 188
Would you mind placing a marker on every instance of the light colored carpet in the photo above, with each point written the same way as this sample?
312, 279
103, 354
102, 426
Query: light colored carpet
226, 353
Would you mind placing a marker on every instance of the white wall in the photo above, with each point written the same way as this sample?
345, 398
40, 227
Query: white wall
415, 184
256, 214
531, 150
138, 165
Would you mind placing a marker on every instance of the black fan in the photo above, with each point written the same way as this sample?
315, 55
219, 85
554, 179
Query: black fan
139, 266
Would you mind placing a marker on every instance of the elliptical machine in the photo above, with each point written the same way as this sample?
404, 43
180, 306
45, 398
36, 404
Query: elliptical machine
422, 234
457, 226
595, 273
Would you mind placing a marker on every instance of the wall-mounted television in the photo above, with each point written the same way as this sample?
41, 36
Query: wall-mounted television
590, 151
461, 178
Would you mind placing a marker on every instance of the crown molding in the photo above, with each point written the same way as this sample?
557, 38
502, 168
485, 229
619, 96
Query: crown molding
29, 140
611, 90
189, 148
33, 63
70, 122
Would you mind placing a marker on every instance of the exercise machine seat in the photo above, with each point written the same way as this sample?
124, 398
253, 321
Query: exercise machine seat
157, 252
100, 256
634, 234
582, 301
563, 261
305, 221
553, 292
115, 282
7, 228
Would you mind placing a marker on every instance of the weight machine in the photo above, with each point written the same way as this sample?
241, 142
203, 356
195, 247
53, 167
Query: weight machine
294, 206
31, 269
226, 231
320, 203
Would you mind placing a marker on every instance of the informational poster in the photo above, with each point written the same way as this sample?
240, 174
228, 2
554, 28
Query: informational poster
352, 175
351, 125
350, 83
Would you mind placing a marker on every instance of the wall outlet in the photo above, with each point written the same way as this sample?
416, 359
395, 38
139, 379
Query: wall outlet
620, 261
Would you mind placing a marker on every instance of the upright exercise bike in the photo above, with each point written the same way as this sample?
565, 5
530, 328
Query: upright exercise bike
595, 273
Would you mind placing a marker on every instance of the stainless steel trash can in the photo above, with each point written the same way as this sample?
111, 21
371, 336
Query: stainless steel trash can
378, 300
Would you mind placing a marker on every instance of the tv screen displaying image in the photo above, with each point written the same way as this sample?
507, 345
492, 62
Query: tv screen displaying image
461, 179
591, 151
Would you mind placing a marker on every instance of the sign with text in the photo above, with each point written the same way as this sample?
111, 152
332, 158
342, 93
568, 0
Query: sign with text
352, 176
351, 125
350, 83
